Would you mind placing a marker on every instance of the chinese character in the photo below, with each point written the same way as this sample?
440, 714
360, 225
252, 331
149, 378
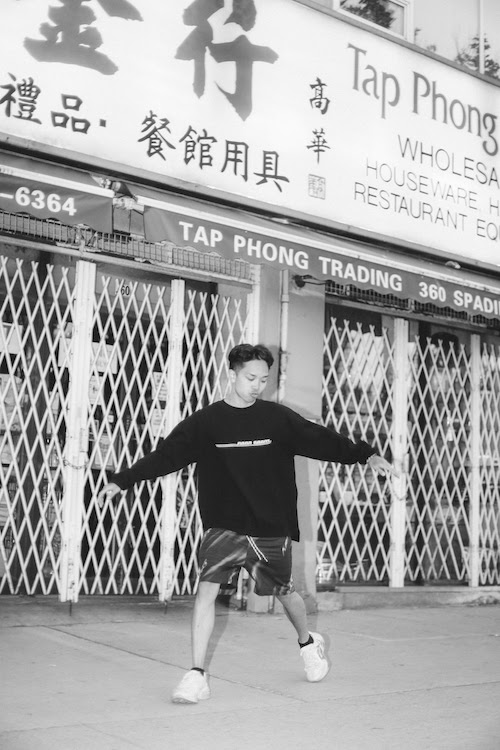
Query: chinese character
237, 154
62, 119
240, 51
203, 142
23, 94
318, 143
270, 170
317, 186
194, 47
153, 129
319, 101
71, 37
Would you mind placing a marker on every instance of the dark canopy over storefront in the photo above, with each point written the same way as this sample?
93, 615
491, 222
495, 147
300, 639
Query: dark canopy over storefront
50, 191
313, 255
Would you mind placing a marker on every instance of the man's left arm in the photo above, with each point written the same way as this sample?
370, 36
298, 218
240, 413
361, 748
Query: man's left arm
316, 441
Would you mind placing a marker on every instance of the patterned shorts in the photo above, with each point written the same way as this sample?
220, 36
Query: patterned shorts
268, 560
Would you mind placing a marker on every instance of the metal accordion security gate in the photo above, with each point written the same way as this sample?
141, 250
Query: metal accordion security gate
431, 404
95, 366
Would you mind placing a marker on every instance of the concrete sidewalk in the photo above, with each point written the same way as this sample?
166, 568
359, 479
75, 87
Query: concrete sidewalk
100, 679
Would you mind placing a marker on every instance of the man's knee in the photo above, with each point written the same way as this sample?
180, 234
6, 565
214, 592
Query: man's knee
290, 598
207, 591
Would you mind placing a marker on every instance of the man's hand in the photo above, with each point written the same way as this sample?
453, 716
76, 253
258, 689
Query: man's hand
380, 466
107, 493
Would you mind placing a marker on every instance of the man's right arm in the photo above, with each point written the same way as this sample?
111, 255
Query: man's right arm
177, 450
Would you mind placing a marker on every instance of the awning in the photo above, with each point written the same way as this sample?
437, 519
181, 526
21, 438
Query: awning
49, 191
236, 234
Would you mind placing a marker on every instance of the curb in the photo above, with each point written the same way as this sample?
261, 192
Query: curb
421, 596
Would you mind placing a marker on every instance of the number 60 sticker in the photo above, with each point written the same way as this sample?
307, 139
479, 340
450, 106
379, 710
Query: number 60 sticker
38, 200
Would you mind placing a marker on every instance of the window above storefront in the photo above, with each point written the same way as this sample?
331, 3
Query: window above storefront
391, 15
394, 16
466, 32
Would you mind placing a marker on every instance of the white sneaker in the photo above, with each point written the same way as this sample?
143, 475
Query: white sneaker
192, 688
315, 662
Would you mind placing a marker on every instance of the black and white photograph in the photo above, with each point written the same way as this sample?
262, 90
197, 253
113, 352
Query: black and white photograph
249, 374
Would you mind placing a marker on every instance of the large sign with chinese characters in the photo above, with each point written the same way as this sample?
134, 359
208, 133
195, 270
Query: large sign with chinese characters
268, 100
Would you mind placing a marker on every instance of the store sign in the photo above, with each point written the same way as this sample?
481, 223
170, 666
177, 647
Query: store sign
46, 192
268, 102
312, 256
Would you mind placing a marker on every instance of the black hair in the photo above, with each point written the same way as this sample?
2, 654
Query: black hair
242, 353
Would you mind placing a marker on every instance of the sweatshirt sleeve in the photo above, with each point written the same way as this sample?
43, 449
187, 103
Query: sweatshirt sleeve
316, 441
177, 450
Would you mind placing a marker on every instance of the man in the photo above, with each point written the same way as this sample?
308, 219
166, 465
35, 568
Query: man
244, 449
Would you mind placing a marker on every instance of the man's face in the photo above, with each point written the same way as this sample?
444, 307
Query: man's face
248, 382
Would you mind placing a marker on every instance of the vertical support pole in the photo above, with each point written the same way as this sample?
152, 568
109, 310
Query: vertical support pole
253, 309
482, 36
76, 449
409, 23
400, 451
283, 352
173, 408
475, 475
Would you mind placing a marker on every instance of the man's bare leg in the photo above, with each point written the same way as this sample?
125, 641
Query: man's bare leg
312, 645
203, 621
194, 685
295, 610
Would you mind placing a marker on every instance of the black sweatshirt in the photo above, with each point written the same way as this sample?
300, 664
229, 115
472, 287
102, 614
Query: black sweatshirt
245, 458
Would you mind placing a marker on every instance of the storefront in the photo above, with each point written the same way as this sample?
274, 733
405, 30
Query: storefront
100, 356
341, 208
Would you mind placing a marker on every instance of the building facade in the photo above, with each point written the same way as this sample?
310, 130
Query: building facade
178, 179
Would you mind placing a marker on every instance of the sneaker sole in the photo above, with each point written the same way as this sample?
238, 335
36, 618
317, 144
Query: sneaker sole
181, 699
321, 677
185, 700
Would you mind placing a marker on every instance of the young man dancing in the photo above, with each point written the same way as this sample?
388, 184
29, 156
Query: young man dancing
244, 448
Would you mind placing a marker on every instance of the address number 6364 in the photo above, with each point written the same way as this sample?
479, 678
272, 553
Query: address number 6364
39, 200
